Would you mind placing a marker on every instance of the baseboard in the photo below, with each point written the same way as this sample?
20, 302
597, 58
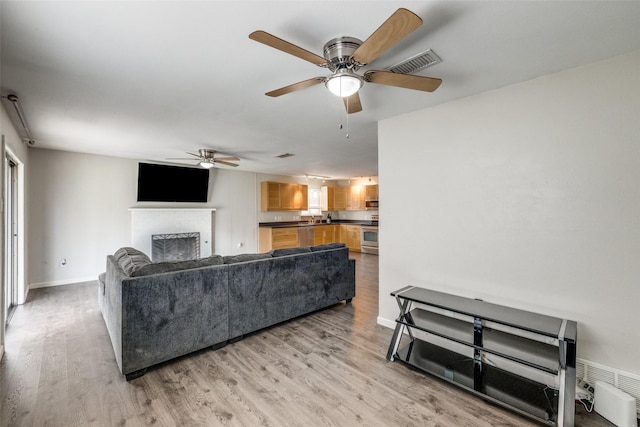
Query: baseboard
391, 324
62, 282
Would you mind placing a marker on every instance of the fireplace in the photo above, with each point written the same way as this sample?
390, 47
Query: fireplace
175, 247
181, 222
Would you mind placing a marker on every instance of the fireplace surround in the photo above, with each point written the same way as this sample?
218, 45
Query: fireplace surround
148, 222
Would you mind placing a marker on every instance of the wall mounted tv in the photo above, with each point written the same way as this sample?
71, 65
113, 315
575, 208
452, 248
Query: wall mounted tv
164, 183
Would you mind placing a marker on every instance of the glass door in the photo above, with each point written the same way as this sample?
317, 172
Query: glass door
11, 238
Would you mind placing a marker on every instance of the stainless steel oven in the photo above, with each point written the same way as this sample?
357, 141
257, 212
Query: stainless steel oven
369, 239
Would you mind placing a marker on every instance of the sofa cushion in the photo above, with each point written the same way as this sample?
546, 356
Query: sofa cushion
327, 246
289, 251
126, 251
168, 266
233, 259
131, 260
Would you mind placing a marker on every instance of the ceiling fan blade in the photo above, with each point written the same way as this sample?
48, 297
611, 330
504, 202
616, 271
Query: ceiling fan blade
296, 86
235, 159
408, 81
222, 162
394, 29
285, 46
352, 103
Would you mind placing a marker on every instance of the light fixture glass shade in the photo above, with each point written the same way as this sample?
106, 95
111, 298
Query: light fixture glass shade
344, 83
206, 164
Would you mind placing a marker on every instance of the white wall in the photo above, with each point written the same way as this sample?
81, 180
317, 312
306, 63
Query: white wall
527, 196
234, 197
80, 213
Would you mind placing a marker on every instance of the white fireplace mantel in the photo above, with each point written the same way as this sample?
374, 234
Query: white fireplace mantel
146, 222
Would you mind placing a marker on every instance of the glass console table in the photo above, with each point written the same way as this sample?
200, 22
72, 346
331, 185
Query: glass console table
489, 333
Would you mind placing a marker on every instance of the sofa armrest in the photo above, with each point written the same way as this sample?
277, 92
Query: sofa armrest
171, 314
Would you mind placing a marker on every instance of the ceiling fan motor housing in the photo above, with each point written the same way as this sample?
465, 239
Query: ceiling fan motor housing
338, 52
206, 153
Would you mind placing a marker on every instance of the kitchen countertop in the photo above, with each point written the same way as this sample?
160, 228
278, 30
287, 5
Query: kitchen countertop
284, 224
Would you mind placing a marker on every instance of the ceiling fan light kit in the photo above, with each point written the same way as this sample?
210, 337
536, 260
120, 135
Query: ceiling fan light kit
344, 83
206, 164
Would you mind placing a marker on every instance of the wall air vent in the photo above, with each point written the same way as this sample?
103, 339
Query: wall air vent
416, 63
285, 155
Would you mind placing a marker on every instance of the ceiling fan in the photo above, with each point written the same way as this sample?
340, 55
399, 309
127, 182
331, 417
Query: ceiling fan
207, 159
345, 55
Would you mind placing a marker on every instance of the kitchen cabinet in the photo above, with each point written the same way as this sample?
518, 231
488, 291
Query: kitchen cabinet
347, 198
340, 198
323, 234
326, 199
277, 238
278, 196
355, 199
371, 192
350, 236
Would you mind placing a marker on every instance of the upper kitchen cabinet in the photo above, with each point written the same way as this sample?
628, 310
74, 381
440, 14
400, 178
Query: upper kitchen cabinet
371, 192
355, 198
278, 196
348, 198
340, 198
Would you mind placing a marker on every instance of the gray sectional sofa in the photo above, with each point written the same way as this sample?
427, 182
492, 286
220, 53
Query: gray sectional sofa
155, 312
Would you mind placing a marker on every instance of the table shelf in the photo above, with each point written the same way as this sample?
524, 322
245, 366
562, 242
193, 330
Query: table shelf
539, 342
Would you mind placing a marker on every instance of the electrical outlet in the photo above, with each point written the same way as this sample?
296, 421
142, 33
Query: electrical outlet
586, 386
585, 392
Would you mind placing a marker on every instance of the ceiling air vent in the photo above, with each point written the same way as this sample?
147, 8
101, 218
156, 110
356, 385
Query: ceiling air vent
416, 63
285, 155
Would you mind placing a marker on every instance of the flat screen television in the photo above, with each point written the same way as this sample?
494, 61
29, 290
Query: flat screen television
164, 183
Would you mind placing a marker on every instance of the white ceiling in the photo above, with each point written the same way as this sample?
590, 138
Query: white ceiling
153, 79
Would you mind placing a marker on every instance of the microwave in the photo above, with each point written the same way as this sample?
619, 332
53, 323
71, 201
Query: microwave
371, 204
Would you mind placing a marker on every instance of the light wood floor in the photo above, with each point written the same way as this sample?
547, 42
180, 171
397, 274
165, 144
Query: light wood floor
324, 369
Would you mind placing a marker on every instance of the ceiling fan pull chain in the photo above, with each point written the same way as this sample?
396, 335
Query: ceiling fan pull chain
347, 114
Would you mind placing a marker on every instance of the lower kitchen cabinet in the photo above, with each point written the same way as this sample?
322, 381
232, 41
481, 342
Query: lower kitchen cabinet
323, 234
350, 236
277, 238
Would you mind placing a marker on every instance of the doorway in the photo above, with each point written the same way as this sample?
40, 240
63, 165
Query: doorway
11, 237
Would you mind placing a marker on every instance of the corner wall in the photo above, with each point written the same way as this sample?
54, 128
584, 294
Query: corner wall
527, 196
